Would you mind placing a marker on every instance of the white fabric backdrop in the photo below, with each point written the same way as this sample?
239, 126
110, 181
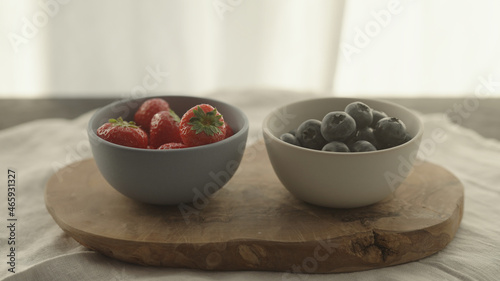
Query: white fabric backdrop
395, 47
44, 252
429, 48
94, 47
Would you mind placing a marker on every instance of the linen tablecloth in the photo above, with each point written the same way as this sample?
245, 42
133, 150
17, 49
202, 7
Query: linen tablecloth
35, 150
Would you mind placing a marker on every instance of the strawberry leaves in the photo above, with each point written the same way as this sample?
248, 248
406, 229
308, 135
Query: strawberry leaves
174, 115
122, 123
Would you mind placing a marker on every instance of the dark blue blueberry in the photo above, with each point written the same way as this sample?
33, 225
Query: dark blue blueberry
293, 131
337, 126
362, 146
377, 115
336, 146
309, 134
365, 134
390, 132
407, 138
289, 138
361, 113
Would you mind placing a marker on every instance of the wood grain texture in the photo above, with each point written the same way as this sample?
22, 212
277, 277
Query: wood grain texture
253, 223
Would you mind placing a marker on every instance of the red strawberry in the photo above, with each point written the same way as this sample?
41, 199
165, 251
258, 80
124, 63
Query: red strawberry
172, 145
123, 133
202, 124
229, 131
147, 110
164, 128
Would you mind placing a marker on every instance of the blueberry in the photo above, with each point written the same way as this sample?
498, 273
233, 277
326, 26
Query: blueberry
336, 146
407, 138
361, 113
362, 146
338, 126
293, 131
377, 115
390, 132
365, 134
309, 134
289, 138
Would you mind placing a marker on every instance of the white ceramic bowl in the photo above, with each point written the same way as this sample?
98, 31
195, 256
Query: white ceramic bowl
334, 179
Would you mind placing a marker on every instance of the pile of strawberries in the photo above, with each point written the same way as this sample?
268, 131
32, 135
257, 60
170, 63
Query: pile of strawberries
157, 126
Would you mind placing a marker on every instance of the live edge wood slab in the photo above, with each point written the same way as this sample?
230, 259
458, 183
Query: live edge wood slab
253, 223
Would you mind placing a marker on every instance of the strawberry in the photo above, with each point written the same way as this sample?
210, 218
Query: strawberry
164, 128
172, 145
202, 124
147, 110
229, 131
123, 133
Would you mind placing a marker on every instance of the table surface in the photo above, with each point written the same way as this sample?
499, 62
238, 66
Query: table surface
481, 115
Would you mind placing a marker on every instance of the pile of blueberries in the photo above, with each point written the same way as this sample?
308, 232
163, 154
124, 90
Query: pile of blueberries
358, 128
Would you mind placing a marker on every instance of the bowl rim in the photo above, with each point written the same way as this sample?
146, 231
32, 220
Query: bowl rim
415, 138
92, 134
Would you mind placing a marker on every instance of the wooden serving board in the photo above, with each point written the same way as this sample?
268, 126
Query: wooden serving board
254, 223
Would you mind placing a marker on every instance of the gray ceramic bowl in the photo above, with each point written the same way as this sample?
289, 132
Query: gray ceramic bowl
333, 179
167, 177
